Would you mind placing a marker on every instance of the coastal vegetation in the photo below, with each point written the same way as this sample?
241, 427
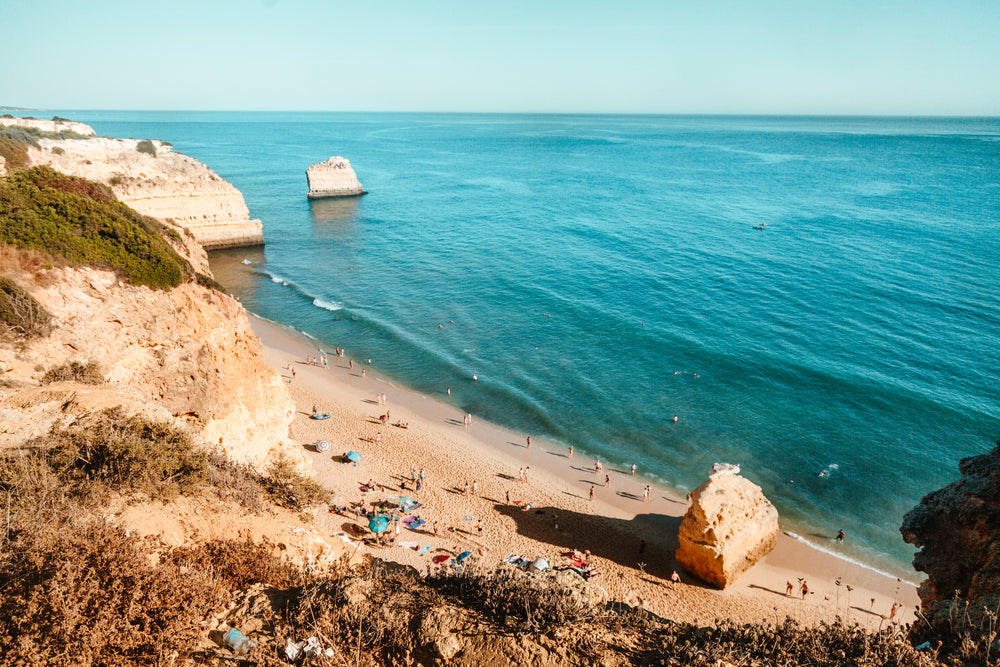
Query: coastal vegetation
20, 314
75, 371
14, 143
81, 222
79, 590
146, 146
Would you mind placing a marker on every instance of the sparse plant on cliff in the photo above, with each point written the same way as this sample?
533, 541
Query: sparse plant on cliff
56, 150
20, 313
74, 371
14, 143
81, 222
291, 489
146, 146
124, 453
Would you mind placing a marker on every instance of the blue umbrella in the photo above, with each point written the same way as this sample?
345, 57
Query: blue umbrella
353, 456
378, 524
462, 556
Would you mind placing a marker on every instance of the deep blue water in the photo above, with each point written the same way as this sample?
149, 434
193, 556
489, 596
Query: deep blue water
601, 274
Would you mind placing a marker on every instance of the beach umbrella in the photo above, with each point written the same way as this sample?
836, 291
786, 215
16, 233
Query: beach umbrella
462, 556
353, 456
322, 445
378, 524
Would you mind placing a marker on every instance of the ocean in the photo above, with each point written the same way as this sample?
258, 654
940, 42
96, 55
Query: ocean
814, 299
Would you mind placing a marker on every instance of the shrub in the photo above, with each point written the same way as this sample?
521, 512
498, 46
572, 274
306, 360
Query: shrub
205, 281
19, 311
146, 146
290, 489
56, 150
88, 373
14, 143
125, 454
80, 221
240, 563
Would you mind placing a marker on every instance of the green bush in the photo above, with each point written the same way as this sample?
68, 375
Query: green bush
20, 312
146, 146
88, 373
80, 221
205, 281
56, 150
291, 489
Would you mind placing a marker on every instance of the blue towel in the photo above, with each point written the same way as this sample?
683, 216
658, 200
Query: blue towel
424, 549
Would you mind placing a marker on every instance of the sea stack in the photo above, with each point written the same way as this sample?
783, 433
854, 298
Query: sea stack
728, 528
333, 178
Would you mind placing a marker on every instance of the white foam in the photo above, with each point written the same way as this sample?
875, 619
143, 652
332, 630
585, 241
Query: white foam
278, 279
328, 305
843, 557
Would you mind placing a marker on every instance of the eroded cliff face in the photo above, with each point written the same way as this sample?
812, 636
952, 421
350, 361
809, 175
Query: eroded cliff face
186, 355
958, 531
173, 188
53, 125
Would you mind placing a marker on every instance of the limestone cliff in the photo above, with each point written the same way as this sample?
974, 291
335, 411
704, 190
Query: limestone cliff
958, 531
333, 178
173, 188
728, 528
186, 355
55, 125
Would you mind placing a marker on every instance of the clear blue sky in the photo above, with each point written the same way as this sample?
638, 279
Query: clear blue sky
630, 56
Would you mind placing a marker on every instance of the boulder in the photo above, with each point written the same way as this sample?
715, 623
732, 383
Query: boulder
728, 528
957, 529
333, 178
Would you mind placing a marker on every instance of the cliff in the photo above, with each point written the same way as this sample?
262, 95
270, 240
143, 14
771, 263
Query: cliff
56, 125
154, 180
728, 528
333, 178
957, 529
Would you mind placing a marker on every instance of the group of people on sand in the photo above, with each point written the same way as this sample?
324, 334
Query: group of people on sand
317, 361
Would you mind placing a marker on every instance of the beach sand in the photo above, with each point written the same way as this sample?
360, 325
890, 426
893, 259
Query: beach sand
612, 527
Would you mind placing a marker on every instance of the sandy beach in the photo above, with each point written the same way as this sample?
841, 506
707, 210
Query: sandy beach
632, 541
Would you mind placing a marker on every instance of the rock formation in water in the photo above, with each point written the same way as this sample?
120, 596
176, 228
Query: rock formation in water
728, 528
333, 178
957, 529
173, 188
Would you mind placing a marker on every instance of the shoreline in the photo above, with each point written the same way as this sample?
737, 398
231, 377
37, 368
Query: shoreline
438, 440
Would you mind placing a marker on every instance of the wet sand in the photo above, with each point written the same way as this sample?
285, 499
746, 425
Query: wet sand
613, 526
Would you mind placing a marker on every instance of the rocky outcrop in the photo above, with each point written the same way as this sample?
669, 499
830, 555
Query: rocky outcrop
55, 125
957, 529
186, 355
333, 178
728, 528
173, 188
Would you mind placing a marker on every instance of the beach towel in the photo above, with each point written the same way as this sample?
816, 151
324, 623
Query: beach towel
468, 517
416, 524
424, 549
410, 519
409, 545
510, 558
440, 558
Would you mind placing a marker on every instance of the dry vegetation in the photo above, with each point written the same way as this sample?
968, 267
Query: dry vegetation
78, 591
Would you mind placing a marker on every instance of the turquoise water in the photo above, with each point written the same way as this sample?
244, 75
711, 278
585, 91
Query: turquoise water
601, 274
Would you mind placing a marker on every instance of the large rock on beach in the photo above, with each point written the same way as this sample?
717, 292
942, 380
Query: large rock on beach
728, 528
333, 178
958, 531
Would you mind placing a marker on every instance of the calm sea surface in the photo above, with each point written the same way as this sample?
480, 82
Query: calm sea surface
601, 274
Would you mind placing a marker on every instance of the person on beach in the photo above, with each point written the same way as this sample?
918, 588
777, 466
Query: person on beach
789, 588
598, 467
507, 494
420, 483
607, 481
315, 410
466, 489
591, 492
434, 528
633, 470
674, 579
804, 589
293, 373
449, 391
893, 610
570, 457
645, 494
528, 446
475, 487
840, 535
527, 469
520, 474
362, 372
421, 474
350, 362
479, 526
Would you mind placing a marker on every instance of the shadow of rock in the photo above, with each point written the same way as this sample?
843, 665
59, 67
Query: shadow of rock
617, 540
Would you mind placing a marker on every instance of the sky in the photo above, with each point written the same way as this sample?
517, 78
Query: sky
871, 57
